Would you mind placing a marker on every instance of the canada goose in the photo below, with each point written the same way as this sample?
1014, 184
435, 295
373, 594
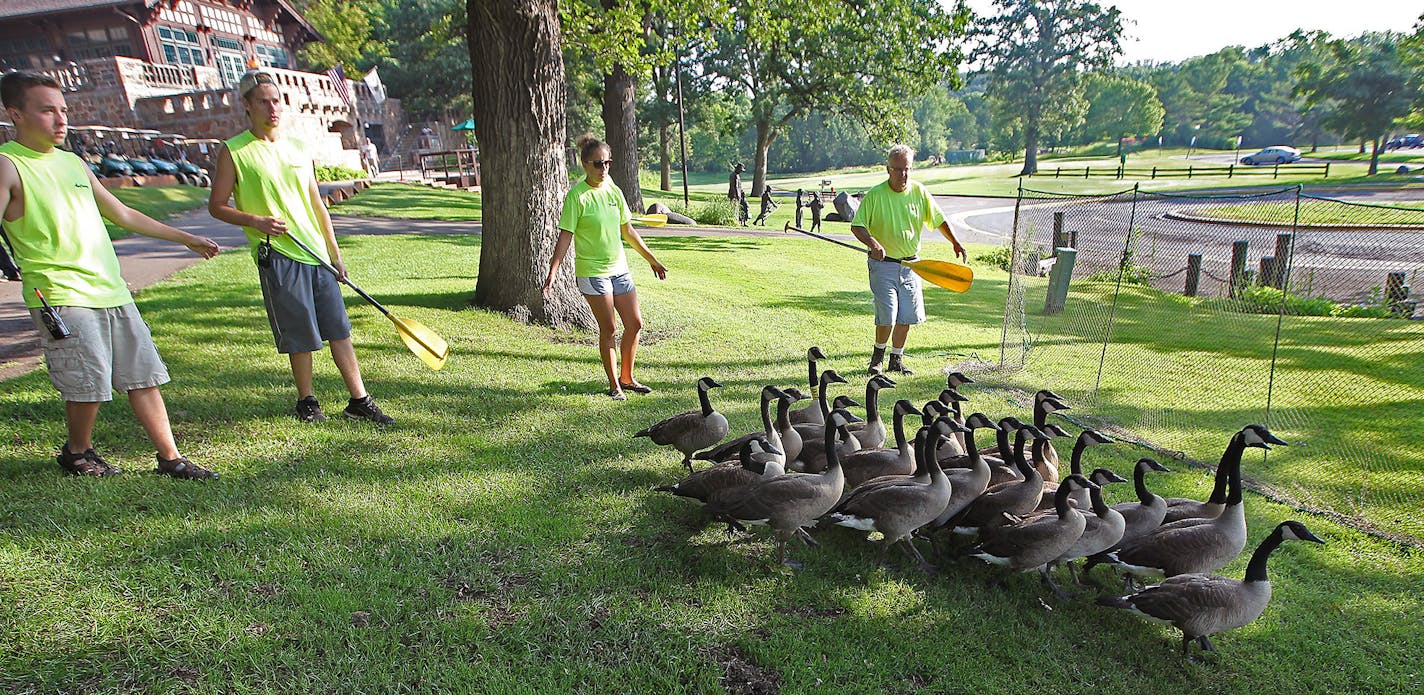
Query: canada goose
1201, 605
728, 449
1034, 543
954, 446
1086, 438
1101, 530
862, 465
967, 484
693, 430
813, 457
1197, 545
1015, 498
957, 379
1179, 508
816, 412
752, 464
871, 433
1045, 458
801, 417
932, 410
790, 437
897, 510
1138, 517
790, 502
1040, 412
1002, 469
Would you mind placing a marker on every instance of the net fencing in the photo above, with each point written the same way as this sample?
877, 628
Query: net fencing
1185, 317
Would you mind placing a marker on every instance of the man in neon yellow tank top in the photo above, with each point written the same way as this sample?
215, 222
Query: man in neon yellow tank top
54, 210
890, 219
274, 193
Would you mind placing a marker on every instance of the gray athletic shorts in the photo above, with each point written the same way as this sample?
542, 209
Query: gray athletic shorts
107, 350
615, 285
899, 298
304, 305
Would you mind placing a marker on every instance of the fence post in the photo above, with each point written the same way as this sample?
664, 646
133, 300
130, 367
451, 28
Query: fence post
1057, 171
1073, 238
1231, 170
1238, 267
1154, 171
1276, 171
1086, 171
1268, 270
1189, 170
1059, 237
1058, 280
1283, 261
1327, 170
1193, 274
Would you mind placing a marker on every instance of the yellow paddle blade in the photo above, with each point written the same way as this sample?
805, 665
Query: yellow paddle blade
951, 276
425, 343
654, 219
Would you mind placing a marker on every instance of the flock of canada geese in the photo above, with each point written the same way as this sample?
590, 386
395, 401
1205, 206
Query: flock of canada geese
820, 465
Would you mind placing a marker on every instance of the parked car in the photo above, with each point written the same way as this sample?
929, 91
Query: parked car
1280, 154
1414, 140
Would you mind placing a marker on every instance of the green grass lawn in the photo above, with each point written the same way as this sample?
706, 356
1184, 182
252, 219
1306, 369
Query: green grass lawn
1318, 212
158, 202
412, 201
503, 537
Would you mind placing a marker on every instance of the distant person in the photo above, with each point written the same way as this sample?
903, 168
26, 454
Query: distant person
596, 220
889, 221
816, 205
768, 204
54, 210
736, 194
800, 203
273, 186
373, 158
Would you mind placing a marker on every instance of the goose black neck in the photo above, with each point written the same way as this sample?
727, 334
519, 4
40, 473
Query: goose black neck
821, 397
1061, 497
706, 402
783, 413
1139, 481
1256, 571
766, 397
923, 451
833, 457
1099, 506
872, 402
1223, 469
1020, 460
973, 451
1231, 462
1076, 464
811, 372
1003, 438
1040, 414
899, 429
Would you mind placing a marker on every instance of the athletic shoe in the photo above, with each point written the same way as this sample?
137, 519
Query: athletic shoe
183, 469
897, 364
87, 463
309, 410
875, 359
365, 408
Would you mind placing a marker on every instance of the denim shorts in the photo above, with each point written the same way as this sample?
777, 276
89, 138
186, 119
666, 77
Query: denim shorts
615, 285
107, 350
899, 298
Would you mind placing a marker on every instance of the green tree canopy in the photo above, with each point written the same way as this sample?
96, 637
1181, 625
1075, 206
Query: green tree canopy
1119, 107
1362, 88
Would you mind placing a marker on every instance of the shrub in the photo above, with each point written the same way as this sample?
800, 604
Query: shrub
338, 173
999, 258
1261, 299
717, 212
1132, 275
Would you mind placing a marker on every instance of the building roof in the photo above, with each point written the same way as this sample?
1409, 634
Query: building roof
11, 9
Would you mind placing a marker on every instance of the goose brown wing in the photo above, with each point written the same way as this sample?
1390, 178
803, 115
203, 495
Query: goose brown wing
702, 484
1186, 596
667, 431
1170, 545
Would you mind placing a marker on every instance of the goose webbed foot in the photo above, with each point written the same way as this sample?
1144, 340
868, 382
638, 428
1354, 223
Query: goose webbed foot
1048, 581
1073, 572
807, 539
914, 552
1206, 644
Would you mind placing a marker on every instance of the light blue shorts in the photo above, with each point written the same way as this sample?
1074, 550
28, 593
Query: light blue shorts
899, 298
615, 285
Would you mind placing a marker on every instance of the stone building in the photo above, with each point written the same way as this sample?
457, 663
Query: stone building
171, 65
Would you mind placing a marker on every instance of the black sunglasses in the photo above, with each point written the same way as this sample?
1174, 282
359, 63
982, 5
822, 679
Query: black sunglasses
600, 163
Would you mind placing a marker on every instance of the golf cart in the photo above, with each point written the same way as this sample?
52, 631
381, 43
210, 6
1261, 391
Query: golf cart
88, 142
172, 146
128, 143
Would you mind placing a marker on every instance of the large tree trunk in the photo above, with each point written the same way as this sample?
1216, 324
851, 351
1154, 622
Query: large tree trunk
1374, 155
518, 93
1030, 166
620, 127
665, 157
766, 134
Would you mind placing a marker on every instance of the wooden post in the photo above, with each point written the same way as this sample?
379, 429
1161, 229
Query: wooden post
1283, 260
1154, 171
1193, 274
1086, 170
1327, 170
1238, 267
1231, 171
1189, 170
1058, 280
1059, 237
1073, 238
1395, 292
1276, 171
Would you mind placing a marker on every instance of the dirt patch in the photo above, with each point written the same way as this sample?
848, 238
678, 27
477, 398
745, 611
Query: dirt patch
740, 676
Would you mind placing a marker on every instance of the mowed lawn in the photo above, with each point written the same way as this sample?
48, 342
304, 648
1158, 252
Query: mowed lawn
504, 537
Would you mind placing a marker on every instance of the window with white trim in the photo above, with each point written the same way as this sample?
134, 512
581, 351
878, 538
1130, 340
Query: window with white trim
181, 47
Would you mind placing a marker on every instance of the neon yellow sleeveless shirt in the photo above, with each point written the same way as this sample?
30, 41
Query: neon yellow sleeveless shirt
595, 216
272, 181
60, 242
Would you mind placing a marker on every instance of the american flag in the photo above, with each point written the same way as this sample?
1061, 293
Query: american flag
338, 81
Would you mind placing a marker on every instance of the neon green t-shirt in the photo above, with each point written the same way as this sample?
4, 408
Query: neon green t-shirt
60, 242
273, 180
595, 216
896, 219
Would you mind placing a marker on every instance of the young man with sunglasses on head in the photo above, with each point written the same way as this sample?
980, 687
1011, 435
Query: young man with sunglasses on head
275, 198
92, 335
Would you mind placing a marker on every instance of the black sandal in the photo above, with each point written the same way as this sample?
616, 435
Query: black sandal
635, 387
183, 469
87, 463
616, 395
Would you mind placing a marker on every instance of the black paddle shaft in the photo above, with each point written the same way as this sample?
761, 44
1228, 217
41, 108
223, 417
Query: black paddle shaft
823, 237
333, 270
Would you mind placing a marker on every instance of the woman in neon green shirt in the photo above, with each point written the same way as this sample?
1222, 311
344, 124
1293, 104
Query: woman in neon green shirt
595, 220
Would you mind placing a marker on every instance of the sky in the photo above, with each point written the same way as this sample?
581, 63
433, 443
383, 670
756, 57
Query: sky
1169, 31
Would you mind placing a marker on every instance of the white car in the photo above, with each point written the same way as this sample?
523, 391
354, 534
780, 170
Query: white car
1280, 154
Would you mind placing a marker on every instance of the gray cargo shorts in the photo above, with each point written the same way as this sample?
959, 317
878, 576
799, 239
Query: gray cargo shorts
107, 350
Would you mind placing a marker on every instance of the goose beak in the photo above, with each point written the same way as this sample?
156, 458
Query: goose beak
772, 450
1157, 466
